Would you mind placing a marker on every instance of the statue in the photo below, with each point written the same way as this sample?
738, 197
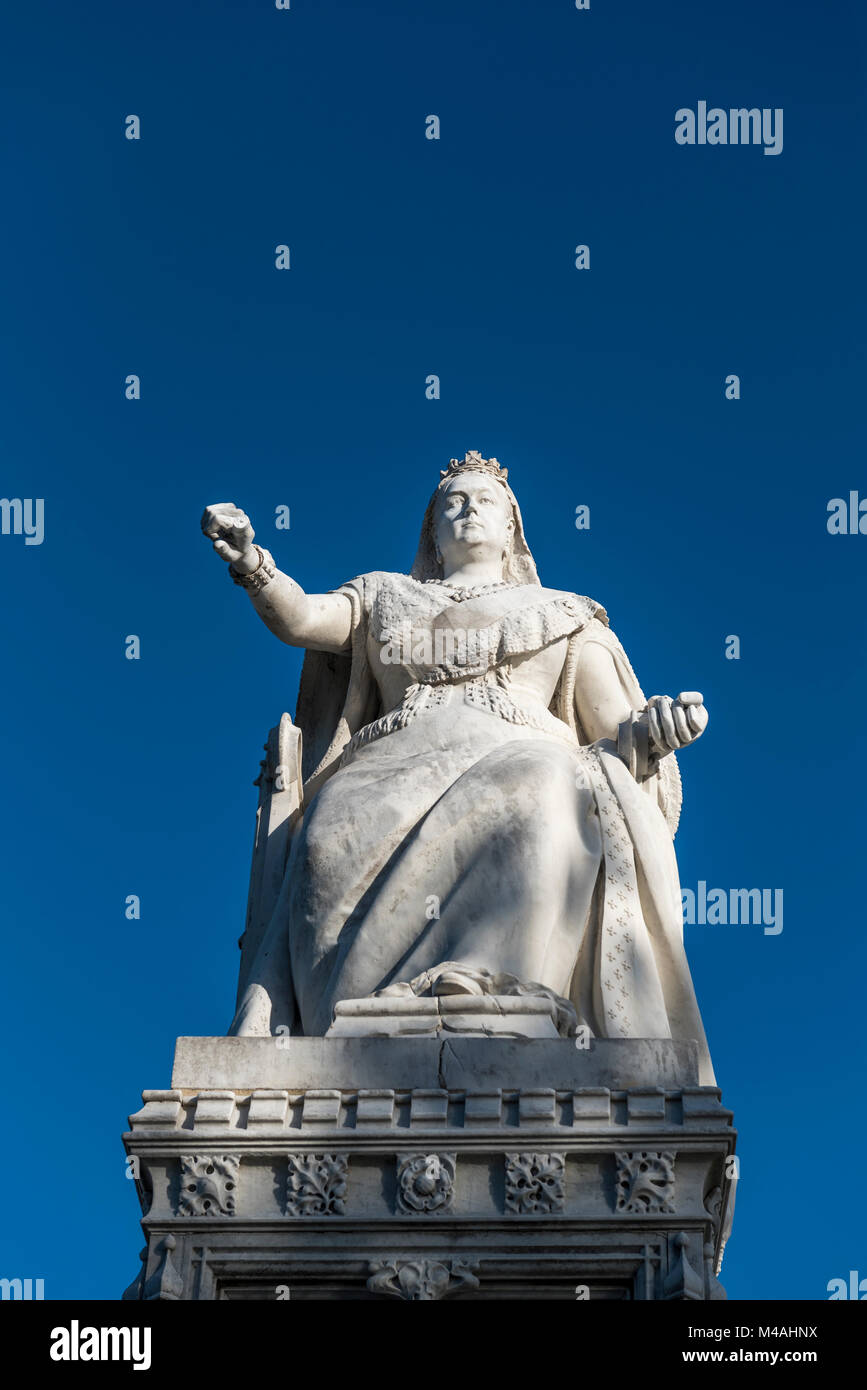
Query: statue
489, 800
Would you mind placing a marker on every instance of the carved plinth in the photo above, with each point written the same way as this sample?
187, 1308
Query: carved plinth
422, 1168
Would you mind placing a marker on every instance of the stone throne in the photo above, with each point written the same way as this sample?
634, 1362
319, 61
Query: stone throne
425, 1148
281, 795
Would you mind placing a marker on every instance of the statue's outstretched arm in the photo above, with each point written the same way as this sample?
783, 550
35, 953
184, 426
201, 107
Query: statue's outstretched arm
320, 621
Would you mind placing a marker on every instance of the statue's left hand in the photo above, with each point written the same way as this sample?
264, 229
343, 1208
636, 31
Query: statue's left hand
673, 724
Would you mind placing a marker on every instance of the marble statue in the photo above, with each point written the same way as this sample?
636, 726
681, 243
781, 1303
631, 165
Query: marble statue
489, 799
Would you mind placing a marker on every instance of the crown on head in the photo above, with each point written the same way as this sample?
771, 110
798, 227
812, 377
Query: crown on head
476, 464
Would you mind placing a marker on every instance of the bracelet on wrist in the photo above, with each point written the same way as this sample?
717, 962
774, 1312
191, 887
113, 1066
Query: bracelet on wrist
264, 572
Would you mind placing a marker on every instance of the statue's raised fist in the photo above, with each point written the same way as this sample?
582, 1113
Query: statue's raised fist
231, 532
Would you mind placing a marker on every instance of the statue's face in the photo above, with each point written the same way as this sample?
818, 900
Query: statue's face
473, 520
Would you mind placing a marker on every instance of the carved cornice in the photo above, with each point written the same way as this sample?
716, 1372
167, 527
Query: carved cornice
250, 1115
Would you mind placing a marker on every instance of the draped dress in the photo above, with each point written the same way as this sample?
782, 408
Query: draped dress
458, 812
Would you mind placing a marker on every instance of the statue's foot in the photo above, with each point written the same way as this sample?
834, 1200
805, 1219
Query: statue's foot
402, 987
452, 977
457, 982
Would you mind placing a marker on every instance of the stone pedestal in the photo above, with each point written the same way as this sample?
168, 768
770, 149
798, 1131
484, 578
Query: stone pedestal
363, 1167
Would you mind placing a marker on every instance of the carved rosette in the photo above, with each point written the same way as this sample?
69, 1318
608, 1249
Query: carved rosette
316, 1184
535, 1182
645, 1181
425, 1182
422, 1280
208, 1184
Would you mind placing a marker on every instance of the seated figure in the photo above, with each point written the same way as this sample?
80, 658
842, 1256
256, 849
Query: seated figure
489, 800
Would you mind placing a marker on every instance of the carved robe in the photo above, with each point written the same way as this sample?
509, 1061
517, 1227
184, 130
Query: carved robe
455, 812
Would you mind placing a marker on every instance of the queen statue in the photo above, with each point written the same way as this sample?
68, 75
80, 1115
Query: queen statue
487, 800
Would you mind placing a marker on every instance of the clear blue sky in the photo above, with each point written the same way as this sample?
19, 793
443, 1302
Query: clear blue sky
307, 388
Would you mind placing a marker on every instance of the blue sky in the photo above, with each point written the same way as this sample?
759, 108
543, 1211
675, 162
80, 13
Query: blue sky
306, 388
